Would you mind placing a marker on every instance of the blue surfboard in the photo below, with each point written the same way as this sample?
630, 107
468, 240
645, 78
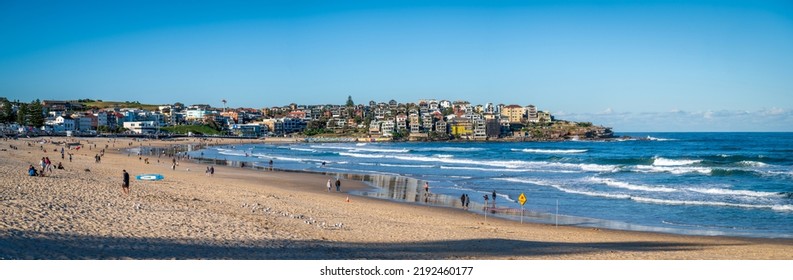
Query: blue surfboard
149, 177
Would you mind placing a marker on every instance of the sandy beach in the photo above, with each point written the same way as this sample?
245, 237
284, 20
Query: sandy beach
81, 213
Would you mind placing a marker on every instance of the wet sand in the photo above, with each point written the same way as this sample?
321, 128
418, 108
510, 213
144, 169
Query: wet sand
81, 213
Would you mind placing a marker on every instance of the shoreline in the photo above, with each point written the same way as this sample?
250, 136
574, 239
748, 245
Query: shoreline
239, 214
393, 188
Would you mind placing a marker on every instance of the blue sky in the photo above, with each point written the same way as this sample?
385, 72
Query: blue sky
633, 65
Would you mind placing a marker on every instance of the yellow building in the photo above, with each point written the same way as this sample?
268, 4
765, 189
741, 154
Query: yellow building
462, 127
513, 113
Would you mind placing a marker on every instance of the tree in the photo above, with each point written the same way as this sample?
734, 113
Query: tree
7, 114
35, 114
22, 114
349, 101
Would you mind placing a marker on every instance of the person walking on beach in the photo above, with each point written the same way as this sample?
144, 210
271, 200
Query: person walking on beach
338, 185
70, 157
494, 198
48, 164
486, 198
125, 183
467, 200
271, 165
329, 185
462, 200
426, 188
211, 171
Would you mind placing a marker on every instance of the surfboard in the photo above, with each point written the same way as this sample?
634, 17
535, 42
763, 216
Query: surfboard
149, 177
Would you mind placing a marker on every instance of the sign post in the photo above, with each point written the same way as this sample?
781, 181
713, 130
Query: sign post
522, 200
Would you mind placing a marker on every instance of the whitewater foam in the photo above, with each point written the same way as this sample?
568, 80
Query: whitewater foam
551, 151
407, 165
659, 139
752, 163
673, 170
716, 191
448, 149
561, 188
659, 161
712, 203
776, 207
361, 155
303, 150
360, 149
629, 186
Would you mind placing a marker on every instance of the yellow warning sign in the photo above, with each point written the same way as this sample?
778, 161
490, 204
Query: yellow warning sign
522, 199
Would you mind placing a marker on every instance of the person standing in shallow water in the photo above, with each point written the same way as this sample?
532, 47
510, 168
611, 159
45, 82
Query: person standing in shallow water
125, 183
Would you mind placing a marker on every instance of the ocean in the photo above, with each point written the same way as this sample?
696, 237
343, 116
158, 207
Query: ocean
729, 184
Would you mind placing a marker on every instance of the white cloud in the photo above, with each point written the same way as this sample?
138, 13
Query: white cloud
774, 111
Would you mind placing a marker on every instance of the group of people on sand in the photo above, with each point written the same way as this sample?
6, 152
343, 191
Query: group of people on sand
337, 184
46, 167
464, 201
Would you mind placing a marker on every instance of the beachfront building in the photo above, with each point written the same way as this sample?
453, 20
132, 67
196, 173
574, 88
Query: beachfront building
193, 115
440, 127
60, 124
401, 121
285, 126
84, 123
146, 127
426, 122
374, 127
387, 128
480, 131
61, 106
492, 128
414, 122
232, 115
543, 116
461, 127
106, 119
513, 113
531, 113
249, 130
336, 124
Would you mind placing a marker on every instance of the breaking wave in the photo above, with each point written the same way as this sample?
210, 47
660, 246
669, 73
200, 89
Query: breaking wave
551, 151
629, 186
